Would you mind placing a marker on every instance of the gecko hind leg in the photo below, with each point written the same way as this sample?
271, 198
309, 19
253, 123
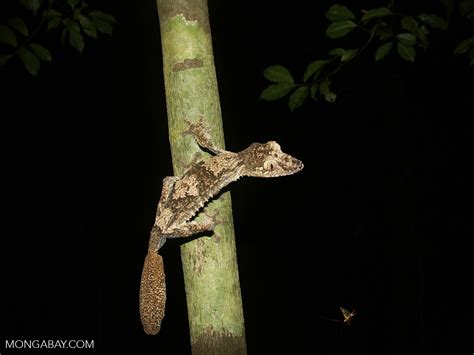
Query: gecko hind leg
168, 184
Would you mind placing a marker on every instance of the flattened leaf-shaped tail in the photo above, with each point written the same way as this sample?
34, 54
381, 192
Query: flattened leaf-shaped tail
152, 293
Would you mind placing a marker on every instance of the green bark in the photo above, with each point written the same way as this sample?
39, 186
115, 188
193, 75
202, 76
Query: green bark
209, 263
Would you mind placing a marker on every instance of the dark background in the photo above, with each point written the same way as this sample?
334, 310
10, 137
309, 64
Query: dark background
379, 220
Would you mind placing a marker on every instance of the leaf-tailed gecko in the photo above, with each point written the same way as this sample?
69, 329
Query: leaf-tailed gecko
183, 196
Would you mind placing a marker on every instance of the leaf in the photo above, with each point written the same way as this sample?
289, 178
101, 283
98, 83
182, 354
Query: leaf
18, 25
466, 9
383, 31
383, 50
84, 21
91, 32
298, 97
41, 52
88, 26
409, 23
314, 89
102, 26
7, 36
314, 68
64, 35
348, 55
376, 13
54, 23
72, 25
278, 74
405, 52
434, 21
407, 39
30, 61
73, 3
464, 46
337, 52
51, 13
277, 91
4, 58
32, 5
76, 40
339, 13
449, 4
103, 16
325, 90
340, 29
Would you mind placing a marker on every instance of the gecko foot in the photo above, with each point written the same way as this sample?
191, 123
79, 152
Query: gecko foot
201, 135
213, 216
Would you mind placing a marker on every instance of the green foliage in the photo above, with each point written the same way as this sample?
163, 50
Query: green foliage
383, 50
407, 39
5, 58
73, 3
385, 28
88, 26
73, 20
278, 74
7, 36
313, 90
464, 47
73, 30
41, 52
339, 13
103, 22
407, 53
348, 55
449, 5
31, 5
314, 68
376, 13
411, 25
53, 17
345, 55
277, 91
340, 28
434, 21
30, 60
325, 90
298, 97
19, 25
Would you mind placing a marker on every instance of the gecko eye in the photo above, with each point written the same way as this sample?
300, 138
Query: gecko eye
269, 165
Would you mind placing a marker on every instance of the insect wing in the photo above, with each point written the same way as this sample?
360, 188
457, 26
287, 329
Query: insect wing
345, 313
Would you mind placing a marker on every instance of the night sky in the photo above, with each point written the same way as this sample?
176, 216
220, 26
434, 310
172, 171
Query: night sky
380, 220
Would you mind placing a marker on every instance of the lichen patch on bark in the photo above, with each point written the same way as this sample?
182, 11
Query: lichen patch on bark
195, 10
187, 64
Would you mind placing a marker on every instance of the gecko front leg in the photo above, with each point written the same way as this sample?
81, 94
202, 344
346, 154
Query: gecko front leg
200, 134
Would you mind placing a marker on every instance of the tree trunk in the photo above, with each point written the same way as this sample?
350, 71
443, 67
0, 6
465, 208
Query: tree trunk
209, 263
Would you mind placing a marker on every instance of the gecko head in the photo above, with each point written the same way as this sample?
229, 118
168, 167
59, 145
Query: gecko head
267, 160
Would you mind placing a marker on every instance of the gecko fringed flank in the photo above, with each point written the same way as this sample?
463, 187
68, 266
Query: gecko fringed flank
183, 196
